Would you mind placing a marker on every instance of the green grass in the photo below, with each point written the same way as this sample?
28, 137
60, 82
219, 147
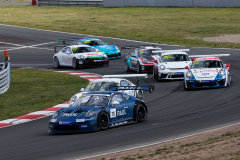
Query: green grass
151, 24
32, 90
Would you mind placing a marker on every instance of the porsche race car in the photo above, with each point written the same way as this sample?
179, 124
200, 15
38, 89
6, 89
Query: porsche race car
207, 71
111, 51
107, 82
99, 111
78, 56
142, 59
171, 65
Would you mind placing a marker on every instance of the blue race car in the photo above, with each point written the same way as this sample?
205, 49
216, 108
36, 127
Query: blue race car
110, 50
99, 111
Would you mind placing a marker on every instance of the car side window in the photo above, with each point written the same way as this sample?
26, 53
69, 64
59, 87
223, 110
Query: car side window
117, 97
124, 83
64, 50
79, 43
126, 97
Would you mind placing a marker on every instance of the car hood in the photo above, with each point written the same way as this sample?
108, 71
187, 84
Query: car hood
205, 73
176, 65
107, 48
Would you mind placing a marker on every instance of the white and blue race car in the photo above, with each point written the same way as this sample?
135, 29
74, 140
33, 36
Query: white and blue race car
207, 71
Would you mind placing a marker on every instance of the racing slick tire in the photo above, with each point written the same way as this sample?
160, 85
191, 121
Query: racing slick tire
106, 64
141, 113
75, 63
154, 75
184, 86
126, 66
56, 62
138, 68
103, 120
158, 78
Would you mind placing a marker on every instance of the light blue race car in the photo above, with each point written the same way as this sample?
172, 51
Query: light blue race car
111, 51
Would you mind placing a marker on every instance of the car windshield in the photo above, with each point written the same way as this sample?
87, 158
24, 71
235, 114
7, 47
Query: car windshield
82, 49
94, 42
174, 58
146, 53
100, 86
207, 64
92, 100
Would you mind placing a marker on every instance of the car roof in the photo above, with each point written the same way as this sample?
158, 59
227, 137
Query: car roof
81, 45
88, 39
171, 53
207, 58
103, 92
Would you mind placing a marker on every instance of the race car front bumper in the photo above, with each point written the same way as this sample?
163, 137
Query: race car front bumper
146, 68
113, 55
93, 62
172, 74
205, 83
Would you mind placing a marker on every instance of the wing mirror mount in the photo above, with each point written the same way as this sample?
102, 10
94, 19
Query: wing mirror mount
82, 89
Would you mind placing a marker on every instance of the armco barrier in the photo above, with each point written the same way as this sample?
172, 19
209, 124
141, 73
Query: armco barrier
172, 3
5, 77
89, 3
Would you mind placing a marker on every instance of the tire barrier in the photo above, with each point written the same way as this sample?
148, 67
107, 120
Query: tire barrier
172, 3
5, 76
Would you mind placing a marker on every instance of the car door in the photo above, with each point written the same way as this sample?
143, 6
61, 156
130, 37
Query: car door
67, 57
128, 104
117, 112
134, 59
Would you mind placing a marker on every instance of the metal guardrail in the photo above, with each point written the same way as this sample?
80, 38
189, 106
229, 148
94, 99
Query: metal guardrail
88, 3
5, 76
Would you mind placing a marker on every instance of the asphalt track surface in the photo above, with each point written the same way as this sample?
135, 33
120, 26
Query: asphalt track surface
173, 112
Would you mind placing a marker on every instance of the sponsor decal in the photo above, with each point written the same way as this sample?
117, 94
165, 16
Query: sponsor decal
208, 71
80, 120
120, 123
84, 126
121, 113
113, 113
98, 60
205, 74
87, 41
204, 81
65, 122
69, 114
92, 54
166, 57
53, 120
195, 71
93, 57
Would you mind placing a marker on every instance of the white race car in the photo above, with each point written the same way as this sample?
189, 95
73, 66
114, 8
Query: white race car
207, 71
79, 56
109, 81
171, 65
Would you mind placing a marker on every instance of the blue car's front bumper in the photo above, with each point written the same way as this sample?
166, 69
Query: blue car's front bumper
191, 84
113, 55
72, 128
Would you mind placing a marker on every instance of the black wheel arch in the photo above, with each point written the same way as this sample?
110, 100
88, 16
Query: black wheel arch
135, 109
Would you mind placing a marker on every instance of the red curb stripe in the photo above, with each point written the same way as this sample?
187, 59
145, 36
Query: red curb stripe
83, 75
67, 102
31, 116
4, 124
93, 77
52, 109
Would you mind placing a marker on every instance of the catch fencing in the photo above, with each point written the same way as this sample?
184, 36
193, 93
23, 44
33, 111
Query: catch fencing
88, 3
172, 3
5, 76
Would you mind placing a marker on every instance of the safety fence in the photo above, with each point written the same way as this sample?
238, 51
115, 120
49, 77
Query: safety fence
88, 3
172, 3
5, 76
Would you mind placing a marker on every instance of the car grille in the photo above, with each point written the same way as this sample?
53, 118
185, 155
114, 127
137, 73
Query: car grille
177, 76
163, 75
66, 128
112, 56
190, 84
221, 82
148, 68
211, 84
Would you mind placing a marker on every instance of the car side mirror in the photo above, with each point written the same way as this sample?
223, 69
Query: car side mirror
187, 67
67, 52
155, 61
193, 59
133, 55
114, 103
227, 65
82, 89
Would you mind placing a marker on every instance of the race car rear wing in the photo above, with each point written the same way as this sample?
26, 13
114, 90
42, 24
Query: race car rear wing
143, 88
55, 47
126, 76
131, 47
64, 40
178, 50
211, 55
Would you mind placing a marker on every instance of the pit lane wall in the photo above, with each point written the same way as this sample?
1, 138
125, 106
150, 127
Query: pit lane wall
172, 3
5, 77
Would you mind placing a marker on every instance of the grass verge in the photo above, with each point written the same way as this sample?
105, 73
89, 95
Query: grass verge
32, 90
151, 24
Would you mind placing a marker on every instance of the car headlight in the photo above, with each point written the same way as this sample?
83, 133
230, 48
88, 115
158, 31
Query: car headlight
162, 67
104, 55
82, 57
116, 48
145, 60
189, 74
89, 114
221, 73
72, 100
55, 114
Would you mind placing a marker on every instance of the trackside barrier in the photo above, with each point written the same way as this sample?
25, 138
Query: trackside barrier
172, 3
88, 3
5, 76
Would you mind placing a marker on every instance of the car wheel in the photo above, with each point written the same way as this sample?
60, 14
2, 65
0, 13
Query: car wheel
56, 62
141, 113
126, 66
103, 120
184, 86
106, 64
138, 68
74, 63
158, 77
154, 75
